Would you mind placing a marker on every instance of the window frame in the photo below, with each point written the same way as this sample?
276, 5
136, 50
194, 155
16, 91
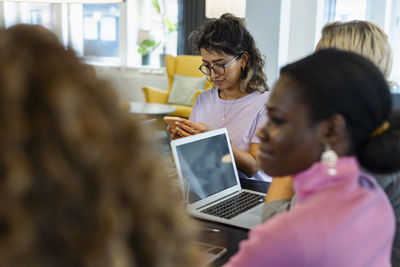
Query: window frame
70, 35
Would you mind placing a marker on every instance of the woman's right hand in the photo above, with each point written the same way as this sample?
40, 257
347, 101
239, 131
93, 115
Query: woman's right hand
187, 128
173, 132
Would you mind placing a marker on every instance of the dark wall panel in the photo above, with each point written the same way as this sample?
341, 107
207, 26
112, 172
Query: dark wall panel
191, 15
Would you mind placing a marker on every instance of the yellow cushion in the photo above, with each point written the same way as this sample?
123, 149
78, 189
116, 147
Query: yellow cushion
182, 111
184, 89
185, 65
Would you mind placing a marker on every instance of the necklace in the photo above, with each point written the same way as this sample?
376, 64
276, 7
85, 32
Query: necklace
226, 113
229, 110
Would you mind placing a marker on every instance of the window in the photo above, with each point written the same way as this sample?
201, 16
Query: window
159, 18
394, 38
385, 13
101, 30
350, 10
344, 10
30, 13
104, 33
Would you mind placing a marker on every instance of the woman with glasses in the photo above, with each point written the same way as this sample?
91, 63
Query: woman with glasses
233, 63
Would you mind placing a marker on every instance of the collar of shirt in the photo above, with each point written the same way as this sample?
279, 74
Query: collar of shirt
317, 177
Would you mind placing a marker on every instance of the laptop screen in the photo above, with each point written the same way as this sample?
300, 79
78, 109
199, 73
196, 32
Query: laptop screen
206, 166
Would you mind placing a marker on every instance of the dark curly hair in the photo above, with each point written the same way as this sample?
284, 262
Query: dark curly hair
229, 35
79, 182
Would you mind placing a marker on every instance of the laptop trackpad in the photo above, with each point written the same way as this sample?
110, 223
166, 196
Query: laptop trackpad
257, 211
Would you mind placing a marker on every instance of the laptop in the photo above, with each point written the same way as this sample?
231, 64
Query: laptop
210, 181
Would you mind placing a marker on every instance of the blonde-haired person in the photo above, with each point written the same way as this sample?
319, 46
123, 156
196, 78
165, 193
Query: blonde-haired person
80, 185
368, 40
360, 37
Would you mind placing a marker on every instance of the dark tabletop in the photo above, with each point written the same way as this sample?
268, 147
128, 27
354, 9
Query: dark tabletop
229, 236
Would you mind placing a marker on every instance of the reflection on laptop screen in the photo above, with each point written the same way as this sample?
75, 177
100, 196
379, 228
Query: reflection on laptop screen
206, 166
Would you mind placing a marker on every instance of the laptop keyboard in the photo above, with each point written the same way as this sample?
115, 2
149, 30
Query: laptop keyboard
235, 205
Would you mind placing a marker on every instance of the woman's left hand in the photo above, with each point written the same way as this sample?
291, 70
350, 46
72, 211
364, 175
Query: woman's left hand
187, 128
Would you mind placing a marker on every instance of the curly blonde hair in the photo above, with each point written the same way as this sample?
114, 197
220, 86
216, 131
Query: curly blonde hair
80, 185
360, 37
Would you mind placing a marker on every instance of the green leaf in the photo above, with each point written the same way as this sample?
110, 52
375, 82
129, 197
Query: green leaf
157, 6
147, 46
171, 26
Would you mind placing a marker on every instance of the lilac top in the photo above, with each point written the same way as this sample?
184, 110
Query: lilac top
340, 220
243, 117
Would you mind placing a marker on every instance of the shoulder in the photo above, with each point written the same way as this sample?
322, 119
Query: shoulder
259, 99
256, 99
260, 95
272, 241
389, 176
390, 183
207, 96
209, 92
285, 230
386, 180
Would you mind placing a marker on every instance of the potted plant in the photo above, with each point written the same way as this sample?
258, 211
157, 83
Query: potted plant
145, 48
167, 28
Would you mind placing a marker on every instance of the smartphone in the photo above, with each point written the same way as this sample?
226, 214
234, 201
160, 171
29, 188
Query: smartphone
170, 120
210, 252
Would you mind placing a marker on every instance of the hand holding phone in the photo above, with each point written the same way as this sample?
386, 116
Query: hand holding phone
171, 126
179, 127
171, 121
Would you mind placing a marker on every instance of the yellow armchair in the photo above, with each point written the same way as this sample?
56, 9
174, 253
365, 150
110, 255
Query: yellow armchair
184, 65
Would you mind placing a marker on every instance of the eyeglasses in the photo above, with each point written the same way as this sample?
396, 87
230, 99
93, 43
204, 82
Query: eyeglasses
218, 69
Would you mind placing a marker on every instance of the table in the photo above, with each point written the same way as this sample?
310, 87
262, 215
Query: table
229, 236
151, 108
151, 111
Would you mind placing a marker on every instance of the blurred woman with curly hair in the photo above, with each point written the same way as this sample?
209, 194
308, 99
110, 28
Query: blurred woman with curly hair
79, 183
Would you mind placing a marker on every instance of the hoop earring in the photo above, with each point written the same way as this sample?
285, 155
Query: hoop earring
329, 158
242, 68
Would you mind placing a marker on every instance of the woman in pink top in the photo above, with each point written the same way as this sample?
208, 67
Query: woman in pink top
233, 63
327, 114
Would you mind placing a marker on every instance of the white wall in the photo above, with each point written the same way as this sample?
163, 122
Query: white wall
267, 22
378, 11
284, 30
305, 27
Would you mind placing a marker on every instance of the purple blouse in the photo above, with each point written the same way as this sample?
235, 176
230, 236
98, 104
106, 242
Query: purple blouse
241, 117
